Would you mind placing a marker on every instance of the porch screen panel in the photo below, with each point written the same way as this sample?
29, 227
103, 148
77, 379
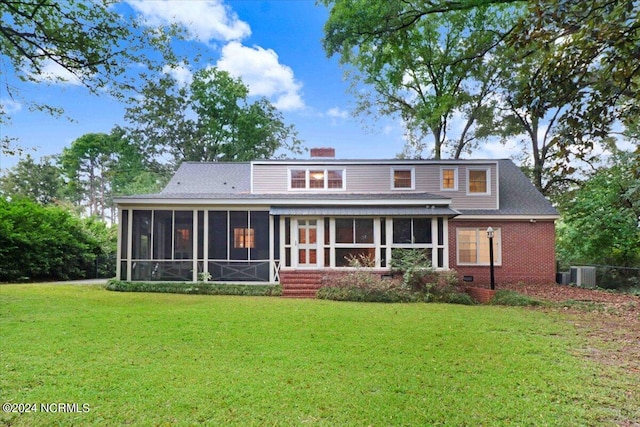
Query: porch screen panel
260, 224
276, 237
363, 231
200, 235
354, 239
217, 234
421, 230
141, 239
124, 236
183, 241
344, 230
162, 234
402, 230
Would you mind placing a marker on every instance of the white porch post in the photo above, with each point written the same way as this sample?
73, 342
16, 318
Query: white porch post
129, 242
194, 246
389, 226
434, 241
272, 264
119, 243
445, 238
205, 243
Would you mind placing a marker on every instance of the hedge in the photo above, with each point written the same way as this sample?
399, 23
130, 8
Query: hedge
196, 288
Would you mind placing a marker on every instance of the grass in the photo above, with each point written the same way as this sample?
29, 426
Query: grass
166, 359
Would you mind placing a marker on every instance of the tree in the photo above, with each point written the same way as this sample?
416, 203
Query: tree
92, 44
601, 220
598, 43
99, 165
584, 78
535, 107
86, 164
40, 182
427, 68
210, 119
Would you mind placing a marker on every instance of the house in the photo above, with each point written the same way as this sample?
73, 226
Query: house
293, 221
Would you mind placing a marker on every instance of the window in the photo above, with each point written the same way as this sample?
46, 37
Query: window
334, 179
316, 179
473, 246
402, 179
243, 238
298, 179
478, 181
449, 179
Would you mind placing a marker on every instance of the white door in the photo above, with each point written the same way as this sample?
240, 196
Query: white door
307, 243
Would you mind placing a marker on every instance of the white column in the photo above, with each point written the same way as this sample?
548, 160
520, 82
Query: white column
272, 265
129, 243
194, 246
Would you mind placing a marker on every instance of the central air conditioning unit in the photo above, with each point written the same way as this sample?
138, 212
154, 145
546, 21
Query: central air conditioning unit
583, 276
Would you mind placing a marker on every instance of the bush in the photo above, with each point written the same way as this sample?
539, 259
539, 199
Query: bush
419, 283
363, 285
511, 298
358, 294
197, 288
51, 243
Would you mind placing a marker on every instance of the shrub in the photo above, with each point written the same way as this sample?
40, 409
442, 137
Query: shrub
422, 283
512, 298
197, 288
363, 285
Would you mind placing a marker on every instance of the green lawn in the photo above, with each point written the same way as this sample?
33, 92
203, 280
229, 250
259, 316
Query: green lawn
165, 359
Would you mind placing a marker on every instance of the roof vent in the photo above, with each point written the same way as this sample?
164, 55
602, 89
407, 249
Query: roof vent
325, 152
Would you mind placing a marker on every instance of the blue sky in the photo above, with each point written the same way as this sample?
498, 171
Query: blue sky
274, 46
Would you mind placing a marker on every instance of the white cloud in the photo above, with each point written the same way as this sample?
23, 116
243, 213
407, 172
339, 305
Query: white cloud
51, 72
337, 113
204, 20
261, 71
181, 73
9, 106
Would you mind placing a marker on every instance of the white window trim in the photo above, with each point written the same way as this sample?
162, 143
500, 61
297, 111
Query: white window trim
481, 233
307, 185
413, 179
487, 171
455, 178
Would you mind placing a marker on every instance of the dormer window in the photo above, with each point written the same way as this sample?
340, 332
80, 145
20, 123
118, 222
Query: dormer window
402, 179
478, 181
316, 179
448, 179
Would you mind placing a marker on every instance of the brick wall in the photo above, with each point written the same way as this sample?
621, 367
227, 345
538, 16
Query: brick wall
528, 253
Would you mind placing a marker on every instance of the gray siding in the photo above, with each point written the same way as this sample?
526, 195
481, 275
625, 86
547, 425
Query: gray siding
272, 178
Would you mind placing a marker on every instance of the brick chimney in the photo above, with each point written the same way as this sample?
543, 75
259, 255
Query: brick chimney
325, 152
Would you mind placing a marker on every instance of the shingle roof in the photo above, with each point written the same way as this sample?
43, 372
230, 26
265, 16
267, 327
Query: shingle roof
211, 178
219, 181
517, 195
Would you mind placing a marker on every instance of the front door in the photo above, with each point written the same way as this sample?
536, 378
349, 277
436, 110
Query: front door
307, 243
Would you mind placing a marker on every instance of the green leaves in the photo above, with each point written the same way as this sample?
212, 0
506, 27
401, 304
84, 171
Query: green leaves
38, 242
600, 222
421, 62
210, 119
